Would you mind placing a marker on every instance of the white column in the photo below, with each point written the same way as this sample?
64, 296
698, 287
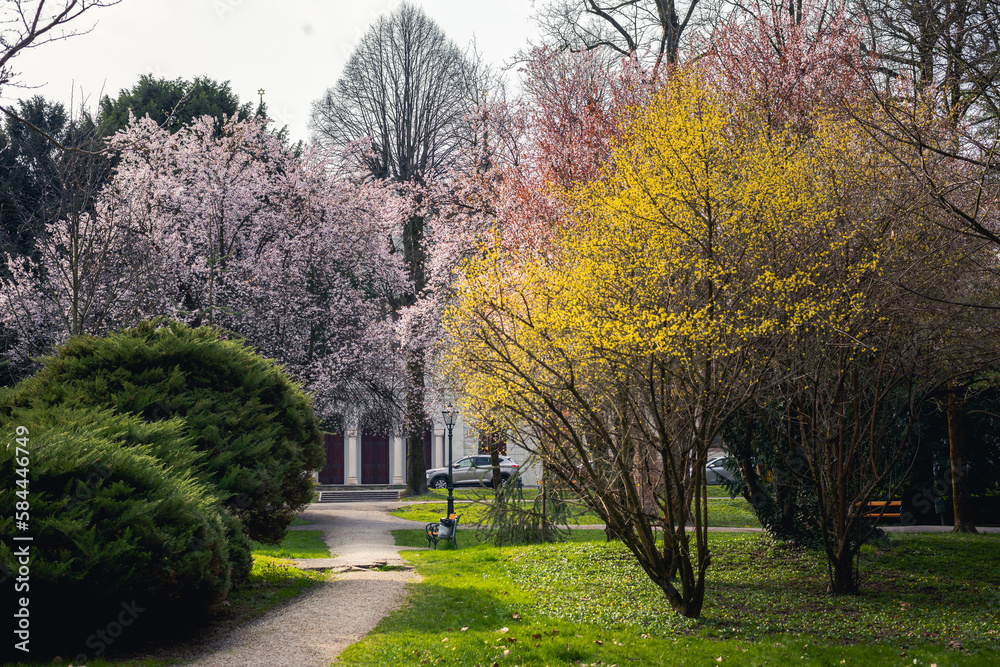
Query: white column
437, 460
398, 443
352, 456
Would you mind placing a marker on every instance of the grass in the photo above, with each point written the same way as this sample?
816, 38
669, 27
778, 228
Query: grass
477, 493
471, 513
467, 493
724, 511
297, 544
589, 603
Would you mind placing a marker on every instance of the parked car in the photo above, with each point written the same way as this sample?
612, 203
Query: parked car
716, 471
471, 471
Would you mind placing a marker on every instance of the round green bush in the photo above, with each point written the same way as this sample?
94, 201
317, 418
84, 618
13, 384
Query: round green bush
110, 522
253, 424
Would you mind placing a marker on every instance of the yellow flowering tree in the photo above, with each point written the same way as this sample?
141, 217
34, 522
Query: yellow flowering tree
618, 355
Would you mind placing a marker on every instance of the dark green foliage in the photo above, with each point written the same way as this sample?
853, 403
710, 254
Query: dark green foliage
110, 521
38, 182
930, 477
159, 97
254, 425
766, 474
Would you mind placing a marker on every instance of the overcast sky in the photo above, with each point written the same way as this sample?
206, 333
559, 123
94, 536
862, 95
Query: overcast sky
293, 49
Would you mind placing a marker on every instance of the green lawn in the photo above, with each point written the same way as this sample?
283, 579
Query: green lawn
467, 493
588, 603
297, 544
721, 512
476, 493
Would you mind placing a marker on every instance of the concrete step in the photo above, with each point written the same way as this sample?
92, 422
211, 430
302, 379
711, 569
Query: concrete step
385, 495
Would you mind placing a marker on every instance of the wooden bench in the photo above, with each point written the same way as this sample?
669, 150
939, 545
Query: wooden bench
882, 509
434, 532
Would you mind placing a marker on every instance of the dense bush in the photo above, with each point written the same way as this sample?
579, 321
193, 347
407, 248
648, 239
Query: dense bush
110, 522
253, 424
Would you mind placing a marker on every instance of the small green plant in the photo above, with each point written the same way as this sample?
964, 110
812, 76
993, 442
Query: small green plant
509, 519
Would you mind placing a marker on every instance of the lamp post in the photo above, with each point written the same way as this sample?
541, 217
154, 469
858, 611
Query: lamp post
449, 420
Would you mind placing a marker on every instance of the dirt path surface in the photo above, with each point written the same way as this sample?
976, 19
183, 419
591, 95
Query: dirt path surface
313, 630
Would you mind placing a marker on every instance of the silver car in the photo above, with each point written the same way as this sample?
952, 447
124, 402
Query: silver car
471, 471
716, 472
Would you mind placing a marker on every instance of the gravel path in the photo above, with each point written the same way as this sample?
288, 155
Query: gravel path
314, 629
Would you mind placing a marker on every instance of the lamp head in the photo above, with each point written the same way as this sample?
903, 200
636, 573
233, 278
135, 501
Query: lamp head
449, 415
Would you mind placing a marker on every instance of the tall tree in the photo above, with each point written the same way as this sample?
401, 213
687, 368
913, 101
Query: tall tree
172, 104
618, 354
402, 101
226, 227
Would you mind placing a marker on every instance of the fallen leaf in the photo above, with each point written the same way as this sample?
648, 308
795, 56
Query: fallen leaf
503, 629
463, 628
536, 636
598, 641
516, 616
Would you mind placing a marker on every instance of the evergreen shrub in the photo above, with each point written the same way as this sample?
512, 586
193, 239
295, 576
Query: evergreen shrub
110, 522
253, 425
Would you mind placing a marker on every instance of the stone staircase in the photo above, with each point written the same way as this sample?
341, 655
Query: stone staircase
358, 495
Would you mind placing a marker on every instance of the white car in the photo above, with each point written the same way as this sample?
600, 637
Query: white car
471, 471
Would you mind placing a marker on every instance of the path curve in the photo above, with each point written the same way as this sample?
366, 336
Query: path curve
314, 629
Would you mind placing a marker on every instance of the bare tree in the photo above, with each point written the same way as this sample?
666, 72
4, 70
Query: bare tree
622, 28
404, 96
28, 24
949, 45
406, 90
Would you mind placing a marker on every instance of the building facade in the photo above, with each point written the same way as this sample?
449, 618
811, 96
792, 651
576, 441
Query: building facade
358, 457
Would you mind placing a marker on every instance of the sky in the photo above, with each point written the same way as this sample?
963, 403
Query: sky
292, 49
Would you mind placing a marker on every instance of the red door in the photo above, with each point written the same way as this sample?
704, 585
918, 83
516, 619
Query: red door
374, 459
333, 471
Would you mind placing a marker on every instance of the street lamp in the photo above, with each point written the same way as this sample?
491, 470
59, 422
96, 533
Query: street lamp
449, 420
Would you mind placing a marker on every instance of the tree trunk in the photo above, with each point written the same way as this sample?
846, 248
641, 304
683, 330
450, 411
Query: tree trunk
959, 467
493, 443
416, 466
842, 575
